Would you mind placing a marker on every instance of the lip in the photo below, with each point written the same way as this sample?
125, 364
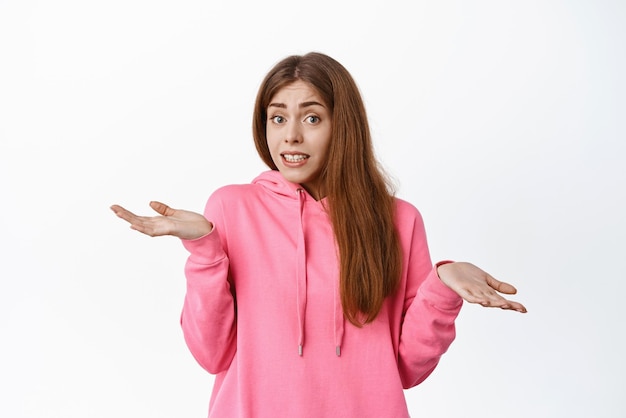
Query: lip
294, 164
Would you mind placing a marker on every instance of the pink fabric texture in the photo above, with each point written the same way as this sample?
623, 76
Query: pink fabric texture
262, 311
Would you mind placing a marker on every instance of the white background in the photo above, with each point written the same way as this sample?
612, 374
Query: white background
502, 121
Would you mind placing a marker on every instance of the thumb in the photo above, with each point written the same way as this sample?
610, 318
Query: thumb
161, 208
501, 287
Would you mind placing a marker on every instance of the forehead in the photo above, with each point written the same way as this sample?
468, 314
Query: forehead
297, 91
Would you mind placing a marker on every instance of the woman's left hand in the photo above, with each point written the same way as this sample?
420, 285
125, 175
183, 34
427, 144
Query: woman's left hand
476, 286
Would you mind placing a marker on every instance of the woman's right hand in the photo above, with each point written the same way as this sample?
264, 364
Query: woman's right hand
178, 223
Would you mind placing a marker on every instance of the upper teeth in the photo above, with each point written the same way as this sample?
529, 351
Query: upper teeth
294, 158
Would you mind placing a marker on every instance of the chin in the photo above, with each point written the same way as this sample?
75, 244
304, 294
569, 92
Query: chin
295, 178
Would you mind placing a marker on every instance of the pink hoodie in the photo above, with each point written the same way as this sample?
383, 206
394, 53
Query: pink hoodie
262, 311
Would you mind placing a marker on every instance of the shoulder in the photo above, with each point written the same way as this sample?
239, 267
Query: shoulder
227, 198
233, 192
406, 211
411, 229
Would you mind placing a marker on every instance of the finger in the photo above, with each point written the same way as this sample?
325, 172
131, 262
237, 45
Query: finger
149, 226
162, 208
122, 213
506, 305
117, 209
501, 287
144, 229
514, 306
490, 299
495, 303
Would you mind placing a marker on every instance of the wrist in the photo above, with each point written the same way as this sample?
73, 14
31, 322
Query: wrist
442, 265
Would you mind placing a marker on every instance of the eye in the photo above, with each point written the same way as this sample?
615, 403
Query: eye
277, 119
312, 119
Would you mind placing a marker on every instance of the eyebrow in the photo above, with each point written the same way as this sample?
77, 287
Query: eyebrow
301, 105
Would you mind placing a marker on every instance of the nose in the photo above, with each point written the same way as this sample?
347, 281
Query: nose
293, 133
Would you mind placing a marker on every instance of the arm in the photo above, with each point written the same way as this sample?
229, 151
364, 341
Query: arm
427, 330
208, 317
432, 305
429, 307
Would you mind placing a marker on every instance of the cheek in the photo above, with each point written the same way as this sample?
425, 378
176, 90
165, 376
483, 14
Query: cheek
272, 138
326, 146
272, 146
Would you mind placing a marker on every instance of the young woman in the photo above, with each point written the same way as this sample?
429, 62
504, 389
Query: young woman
310, 291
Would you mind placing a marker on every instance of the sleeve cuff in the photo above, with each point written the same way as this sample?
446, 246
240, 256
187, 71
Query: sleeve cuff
205, 250
437, 292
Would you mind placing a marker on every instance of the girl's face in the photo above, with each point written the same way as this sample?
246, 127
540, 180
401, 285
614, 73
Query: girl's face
298, 134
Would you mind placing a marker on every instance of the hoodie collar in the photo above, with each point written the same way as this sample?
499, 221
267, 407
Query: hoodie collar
274, 182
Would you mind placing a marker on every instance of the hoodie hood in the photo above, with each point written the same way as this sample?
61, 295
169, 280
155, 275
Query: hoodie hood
275, 183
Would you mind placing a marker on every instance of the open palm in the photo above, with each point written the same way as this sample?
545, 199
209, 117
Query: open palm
176, 222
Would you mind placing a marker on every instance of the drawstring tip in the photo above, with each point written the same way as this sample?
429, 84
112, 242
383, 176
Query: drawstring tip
338, 351
300, 350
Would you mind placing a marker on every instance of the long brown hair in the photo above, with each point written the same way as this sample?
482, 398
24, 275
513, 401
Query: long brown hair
360, 198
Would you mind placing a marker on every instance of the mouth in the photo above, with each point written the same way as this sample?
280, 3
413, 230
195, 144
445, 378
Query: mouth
294, 158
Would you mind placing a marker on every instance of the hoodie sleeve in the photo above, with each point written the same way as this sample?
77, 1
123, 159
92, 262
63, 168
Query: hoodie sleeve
208, 316
430, 309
